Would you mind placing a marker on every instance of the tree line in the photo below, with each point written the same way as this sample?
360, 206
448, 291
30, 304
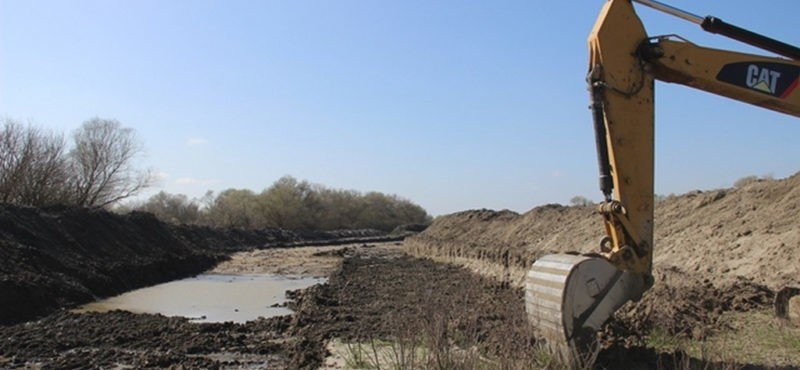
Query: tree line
288, 204
38, 168
96, 168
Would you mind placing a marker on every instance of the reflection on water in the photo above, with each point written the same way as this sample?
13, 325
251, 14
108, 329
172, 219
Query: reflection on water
210, 298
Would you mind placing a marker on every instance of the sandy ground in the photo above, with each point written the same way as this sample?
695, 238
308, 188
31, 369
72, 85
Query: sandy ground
301, 262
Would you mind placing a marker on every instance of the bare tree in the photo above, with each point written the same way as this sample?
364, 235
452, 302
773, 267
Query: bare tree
13, 160
102, 163
46, 178
32, 166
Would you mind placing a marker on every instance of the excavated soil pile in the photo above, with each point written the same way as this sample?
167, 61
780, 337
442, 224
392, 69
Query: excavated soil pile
748, 232
683, 306
65, 257
62, 257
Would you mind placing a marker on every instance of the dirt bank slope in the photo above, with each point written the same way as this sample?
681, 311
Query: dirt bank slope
62, 257
746, 232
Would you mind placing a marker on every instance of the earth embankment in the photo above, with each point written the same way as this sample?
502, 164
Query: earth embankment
61, 257
721, 235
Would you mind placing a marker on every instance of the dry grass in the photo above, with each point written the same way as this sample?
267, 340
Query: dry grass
400, 355
450, 339
755, 338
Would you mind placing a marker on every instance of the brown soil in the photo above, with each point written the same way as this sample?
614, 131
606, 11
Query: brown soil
794, 310
391, 294
59, 258
682, 306
376, 293
118, 339
62, 257
719, 235
313, 261
371, 295
717, 252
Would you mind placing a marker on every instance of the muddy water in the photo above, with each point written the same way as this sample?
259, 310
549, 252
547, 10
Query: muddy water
210, 297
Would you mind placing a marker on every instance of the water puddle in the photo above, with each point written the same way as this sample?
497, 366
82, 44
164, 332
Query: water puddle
209, 297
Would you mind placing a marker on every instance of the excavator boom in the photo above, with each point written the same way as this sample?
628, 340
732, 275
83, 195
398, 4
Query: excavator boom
569, 297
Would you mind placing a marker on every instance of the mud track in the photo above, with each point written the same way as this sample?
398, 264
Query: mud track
376, 293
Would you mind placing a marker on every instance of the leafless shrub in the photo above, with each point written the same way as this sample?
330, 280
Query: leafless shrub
355, 356
405, 350
172, 208
744, 181
580, 201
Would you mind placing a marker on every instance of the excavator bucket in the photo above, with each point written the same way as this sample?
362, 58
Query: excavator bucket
787, 304
569, 297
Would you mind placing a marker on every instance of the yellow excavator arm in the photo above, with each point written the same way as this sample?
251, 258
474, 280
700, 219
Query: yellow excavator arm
569, 297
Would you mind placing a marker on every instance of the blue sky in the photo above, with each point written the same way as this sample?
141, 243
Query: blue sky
452, 104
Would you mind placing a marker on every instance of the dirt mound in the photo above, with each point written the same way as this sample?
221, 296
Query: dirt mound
62, 257
681, 305
716, 251
53, 259
722, 234
409, 229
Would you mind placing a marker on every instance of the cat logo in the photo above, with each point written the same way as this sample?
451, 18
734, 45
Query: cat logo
762, 79
778, 80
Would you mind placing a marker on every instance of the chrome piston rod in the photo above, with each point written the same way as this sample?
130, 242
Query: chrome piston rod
694, 18
718, 26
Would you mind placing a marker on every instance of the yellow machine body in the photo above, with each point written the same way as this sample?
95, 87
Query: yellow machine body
568, 297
